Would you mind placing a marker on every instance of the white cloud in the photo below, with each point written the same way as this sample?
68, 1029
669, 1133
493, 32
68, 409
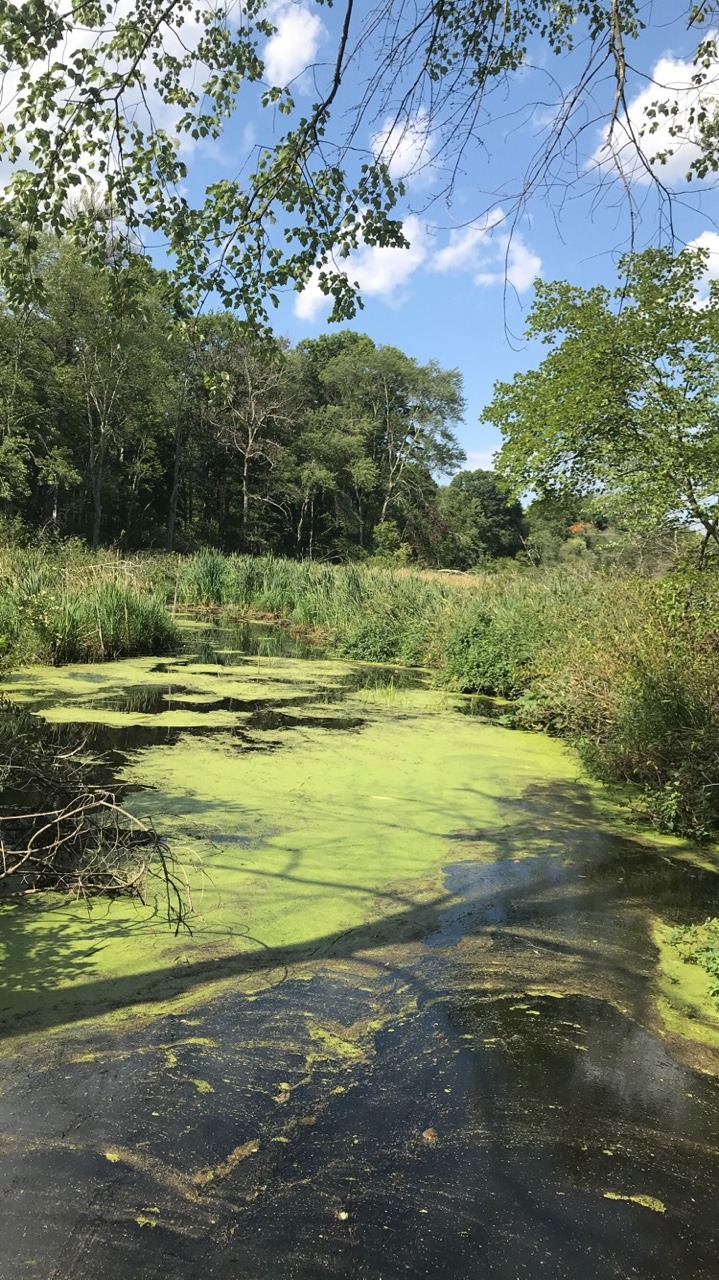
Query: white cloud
380, 273
494, 258
708, 240
406, 148
294, 44
671, 83
479, 460
520, 266
465, 243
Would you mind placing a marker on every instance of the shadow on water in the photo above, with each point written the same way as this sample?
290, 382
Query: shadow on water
420, 1112
452, 1088
537, 891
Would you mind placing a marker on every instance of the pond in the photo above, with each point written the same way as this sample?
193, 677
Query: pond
420, 1028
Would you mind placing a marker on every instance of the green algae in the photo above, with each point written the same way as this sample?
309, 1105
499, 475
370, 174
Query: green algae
202, 1086
332, 845
333, 1045
647, 1202
685, 995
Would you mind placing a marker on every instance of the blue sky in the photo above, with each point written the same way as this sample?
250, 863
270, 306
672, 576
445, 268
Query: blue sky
460, 293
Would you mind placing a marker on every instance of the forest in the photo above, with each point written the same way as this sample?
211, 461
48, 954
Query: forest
128, 422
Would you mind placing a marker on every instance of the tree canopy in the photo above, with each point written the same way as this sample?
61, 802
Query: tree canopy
626, 404
121, 420
483, 522
116, 95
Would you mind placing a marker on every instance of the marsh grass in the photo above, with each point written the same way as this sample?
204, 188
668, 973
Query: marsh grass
56, 613
624, 667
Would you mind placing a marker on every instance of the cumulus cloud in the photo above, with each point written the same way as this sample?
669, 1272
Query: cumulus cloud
465, 244
669, 150
519, 267
406, 149
492, 257
708, 240
293, 47
380, 273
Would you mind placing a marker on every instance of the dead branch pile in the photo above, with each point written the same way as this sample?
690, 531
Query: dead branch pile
60, 830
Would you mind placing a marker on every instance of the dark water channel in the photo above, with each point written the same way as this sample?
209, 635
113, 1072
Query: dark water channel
475, 1084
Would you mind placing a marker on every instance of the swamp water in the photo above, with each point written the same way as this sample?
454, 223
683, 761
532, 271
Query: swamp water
420, 1027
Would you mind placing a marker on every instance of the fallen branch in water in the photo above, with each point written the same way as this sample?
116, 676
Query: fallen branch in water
77, 837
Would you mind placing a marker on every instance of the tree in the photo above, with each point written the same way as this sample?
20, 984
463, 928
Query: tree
626, 405
110, 331
482, 521
110, 94
404, 410
250, 398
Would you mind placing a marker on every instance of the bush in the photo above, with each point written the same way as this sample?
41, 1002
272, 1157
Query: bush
639, 697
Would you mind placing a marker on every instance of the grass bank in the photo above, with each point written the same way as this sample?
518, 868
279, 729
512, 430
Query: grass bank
71, 607
624, 667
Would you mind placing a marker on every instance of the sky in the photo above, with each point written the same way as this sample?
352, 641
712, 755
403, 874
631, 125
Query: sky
460, 293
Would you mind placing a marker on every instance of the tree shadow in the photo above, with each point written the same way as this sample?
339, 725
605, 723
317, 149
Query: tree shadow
552, 897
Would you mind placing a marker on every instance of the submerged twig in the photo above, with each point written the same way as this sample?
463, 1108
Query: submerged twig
82, 840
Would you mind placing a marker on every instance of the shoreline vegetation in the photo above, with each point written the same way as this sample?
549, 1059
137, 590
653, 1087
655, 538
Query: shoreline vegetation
623, 667
63, 827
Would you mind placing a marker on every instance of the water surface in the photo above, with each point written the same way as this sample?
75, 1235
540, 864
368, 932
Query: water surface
420, 1028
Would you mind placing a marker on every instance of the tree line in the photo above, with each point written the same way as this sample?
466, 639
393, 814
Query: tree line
125, 420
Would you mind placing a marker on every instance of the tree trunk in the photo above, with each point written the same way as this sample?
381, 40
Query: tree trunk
176, 471
97, 468
245, 499
301, 523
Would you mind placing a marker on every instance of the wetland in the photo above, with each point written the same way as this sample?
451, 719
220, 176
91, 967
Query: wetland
429, 1019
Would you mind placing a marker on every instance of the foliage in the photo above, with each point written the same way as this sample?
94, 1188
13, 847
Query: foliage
627, 402
699, 944
123, 421
107, 99
635, 684
46, 617
482, 523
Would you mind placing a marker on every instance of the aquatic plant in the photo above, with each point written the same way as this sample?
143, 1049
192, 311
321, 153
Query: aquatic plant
624, 667
202, 578
699, 944
53, 613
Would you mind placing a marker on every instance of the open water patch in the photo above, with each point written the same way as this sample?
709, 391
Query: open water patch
375, 1123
